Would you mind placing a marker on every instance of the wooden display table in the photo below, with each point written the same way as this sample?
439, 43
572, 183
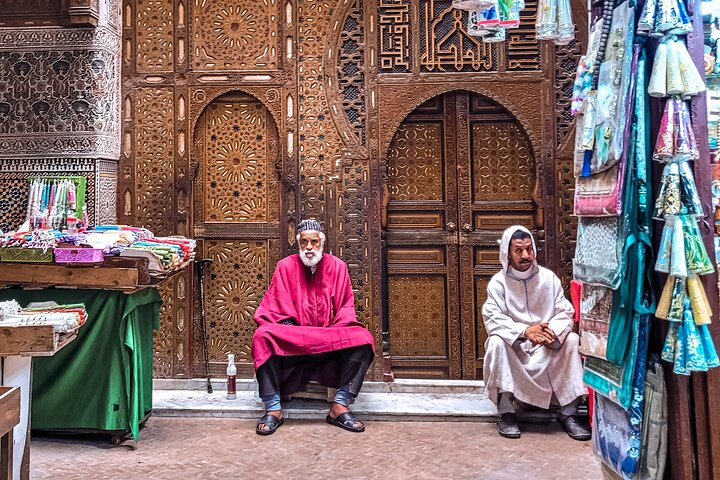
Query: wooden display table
18, 345
125, 274
9, 417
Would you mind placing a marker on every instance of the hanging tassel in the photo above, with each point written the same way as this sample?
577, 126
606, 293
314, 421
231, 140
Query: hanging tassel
674, 85
664, 145
690, 77
697, 257
668, 200
688, 191
698, 301
565, 26
685, 145
646, 23
658, 78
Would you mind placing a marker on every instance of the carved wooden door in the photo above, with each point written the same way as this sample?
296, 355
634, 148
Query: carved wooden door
460, 170
237, 217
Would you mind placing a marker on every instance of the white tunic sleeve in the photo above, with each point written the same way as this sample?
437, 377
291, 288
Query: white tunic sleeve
497, 321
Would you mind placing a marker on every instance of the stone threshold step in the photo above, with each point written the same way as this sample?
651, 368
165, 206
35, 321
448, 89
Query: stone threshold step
464, 407
398, 386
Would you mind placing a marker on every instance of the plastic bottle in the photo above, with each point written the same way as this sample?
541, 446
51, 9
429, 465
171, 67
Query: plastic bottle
231, 373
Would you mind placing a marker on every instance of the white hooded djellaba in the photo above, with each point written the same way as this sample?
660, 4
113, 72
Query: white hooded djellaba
515, 301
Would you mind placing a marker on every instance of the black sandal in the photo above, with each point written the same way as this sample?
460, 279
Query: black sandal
346, 421
271, 421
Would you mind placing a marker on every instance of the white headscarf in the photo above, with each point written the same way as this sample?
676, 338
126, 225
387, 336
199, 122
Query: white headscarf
505, 251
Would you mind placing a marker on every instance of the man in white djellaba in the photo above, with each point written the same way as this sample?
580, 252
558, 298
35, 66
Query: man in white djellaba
531, 354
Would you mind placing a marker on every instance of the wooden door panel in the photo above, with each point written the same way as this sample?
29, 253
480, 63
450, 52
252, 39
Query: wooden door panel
501, 195
418, 309
237, 218
460, 171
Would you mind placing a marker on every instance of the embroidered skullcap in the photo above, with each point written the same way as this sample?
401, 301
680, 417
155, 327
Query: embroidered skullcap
309, 224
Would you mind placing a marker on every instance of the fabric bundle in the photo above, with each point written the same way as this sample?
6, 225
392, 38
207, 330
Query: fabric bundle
674, 72
63, 318
554, 22
664, 17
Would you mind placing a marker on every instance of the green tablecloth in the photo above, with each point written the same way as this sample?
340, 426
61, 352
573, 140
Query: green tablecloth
102, 380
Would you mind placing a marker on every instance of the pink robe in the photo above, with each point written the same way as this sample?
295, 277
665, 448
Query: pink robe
320, 305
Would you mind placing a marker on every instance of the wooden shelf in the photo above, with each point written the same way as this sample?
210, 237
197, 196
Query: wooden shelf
33, 340
125, 274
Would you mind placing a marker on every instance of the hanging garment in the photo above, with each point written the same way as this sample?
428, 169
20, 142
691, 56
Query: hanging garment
614, 97
617, 428
598, 252
600, 195
653, 442
596, 306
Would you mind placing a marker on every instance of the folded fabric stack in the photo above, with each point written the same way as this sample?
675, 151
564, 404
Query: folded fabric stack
165, 254
63, 318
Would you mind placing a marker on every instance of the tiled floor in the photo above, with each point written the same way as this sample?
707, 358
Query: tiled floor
225, 448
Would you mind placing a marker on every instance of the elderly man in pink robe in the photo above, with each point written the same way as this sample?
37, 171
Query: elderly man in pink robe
307, 330
531, 352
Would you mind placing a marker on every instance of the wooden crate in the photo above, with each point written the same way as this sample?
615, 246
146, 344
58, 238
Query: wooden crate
33, 340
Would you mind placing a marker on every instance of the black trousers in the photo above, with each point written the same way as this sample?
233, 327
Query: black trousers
341, 369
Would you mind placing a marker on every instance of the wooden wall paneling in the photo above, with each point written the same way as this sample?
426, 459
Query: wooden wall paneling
376, 189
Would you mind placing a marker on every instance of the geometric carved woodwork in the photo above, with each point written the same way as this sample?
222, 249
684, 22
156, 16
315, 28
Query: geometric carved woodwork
417, 309
337, 81
444, 44
504, 170
232, 36
155, 36
154, 150
237, 217
415, 163
235, 285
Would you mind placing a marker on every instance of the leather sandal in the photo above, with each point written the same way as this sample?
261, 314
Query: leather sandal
346, 421
271, 421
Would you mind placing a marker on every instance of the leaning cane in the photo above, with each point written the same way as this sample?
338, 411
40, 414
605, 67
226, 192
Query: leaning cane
202, 265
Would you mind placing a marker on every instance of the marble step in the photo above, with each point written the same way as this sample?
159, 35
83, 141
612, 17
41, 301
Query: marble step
398, 386
370, 406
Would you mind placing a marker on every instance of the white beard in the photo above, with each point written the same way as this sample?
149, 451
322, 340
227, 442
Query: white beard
312, 261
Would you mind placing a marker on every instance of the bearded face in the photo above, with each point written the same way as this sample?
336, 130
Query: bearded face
311, 247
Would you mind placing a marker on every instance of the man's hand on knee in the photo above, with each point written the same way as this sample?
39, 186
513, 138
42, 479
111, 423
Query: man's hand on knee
540, 334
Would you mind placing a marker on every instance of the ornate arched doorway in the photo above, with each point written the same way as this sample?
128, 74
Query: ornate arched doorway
460, 170
237, 217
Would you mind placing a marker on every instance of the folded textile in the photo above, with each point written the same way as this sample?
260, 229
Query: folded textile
596, 304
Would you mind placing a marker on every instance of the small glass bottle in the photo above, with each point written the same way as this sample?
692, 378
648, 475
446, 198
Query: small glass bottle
231, 373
